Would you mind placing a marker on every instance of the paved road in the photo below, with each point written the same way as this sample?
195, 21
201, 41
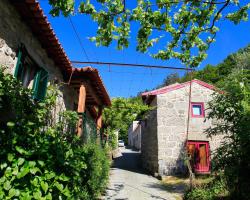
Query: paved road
129, 182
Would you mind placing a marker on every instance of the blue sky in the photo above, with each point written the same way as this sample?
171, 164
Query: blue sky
125, 82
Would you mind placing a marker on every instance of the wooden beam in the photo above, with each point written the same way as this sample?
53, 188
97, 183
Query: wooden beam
91, 92
81, 108
99, 118
94, 94
82, 99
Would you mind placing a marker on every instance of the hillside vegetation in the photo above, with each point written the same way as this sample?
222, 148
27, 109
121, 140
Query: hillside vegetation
215, 74
231, 114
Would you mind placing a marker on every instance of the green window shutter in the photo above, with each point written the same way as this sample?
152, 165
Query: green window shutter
40, 84
36, 83
19, 66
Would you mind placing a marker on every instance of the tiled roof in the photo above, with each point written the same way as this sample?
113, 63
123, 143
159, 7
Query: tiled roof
176, 86
31, 13
92, 74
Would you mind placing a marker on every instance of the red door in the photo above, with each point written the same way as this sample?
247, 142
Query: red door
199, 152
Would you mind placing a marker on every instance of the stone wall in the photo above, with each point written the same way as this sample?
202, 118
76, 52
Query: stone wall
13, 32
149, 145
171, 131
131, 129
134, 135
137, 136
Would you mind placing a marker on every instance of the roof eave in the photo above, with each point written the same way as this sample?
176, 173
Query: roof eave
33, 15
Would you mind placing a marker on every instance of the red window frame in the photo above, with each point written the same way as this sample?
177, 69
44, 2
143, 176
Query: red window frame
201, 104
198, 168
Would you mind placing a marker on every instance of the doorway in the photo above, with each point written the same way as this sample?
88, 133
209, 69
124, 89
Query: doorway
199, 153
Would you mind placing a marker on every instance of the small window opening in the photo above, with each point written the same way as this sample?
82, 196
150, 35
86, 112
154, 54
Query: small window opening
197, 109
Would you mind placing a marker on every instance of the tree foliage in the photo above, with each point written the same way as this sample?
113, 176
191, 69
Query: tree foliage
216, 75
122, 113
231, 111
189, 27
170, 79
40, 159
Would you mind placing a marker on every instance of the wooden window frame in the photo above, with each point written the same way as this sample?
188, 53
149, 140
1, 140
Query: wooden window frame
40, 75
201, 104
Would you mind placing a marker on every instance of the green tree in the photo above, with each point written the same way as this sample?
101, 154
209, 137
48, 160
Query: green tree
189, 27
231, 111
170, 79
122, 113
216, 75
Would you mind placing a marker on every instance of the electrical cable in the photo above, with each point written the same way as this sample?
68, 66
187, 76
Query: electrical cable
78, 38
133, 65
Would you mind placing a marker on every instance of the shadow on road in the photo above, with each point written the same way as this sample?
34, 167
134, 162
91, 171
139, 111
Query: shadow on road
130, 161
130, 182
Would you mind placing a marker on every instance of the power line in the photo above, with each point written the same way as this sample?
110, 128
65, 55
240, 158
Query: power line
134, 73
133, 65
78, 38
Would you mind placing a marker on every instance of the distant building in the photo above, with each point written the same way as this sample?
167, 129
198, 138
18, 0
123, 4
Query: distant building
164, 132
134, 135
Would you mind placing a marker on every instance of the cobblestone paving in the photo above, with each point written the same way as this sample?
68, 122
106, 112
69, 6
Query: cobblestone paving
129, 182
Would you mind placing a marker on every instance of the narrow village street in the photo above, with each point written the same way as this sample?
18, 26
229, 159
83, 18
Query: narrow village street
129, 182
81, 79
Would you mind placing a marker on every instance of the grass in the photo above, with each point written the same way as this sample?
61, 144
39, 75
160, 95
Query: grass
178, 185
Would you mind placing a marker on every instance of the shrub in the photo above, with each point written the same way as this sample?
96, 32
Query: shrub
113, 138
213, 190
231, 111
42, 160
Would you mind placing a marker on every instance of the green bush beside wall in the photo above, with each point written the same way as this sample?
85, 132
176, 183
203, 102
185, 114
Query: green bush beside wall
40, 159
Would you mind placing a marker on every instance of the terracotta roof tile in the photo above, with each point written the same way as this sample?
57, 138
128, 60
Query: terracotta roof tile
33, 15
176, 86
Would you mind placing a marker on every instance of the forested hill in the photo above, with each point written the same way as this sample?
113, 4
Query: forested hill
215, 74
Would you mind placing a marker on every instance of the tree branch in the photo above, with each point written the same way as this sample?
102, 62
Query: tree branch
186, 1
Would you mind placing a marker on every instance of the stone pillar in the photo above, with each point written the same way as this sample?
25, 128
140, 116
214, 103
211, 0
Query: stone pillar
81, 108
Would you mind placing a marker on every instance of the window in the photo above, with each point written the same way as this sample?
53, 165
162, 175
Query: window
40, 84
197, 109
199, 154
31, 75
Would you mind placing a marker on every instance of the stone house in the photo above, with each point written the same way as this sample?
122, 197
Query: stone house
134, 135
168, 127
30, 50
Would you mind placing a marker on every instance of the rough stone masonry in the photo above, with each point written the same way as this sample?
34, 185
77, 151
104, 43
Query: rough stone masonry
13, 32
164, 131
